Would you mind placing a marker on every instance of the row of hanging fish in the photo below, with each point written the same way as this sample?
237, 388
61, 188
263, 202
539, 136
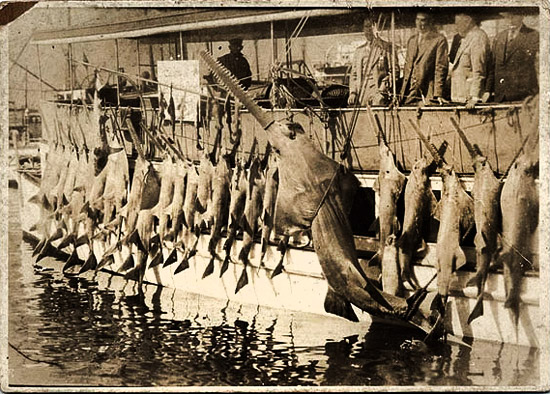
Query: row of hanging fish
504, 215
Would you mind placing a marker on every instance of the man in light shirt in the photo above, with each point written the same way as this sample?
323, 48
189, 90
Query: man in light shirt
370, 79
470, 64
513, 76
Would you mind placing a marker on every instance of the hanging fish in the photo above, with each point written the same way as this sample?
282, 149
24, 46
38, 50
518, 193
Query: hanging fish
520, 211
456, 210
486, 195
388, 186
420, 205
249, 221
167, 175
268, 204
391, 273
218, 209
236, 210
189, 211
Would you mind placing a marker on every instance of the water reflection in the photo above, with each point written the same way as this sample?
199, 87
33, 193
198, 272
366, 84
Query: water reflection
103, 331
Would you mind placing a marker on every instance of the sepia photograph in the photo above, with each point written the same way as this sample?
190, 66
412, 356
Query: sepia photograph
267, 196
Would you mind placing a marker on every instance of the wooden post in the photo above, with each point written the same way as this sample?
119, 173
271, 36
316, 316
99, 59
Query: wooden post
182, 52
39, 71
394, 91
138, 59
273, 45
117, 75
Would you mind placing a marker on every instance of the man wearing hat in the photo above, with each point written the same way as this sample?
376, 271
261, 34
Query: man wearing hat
513, 76
235, 62
470, 63
426, 63
370, 78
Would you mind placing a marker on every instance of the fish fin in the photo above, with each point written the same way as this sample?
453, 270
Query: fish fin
225, 264
157, 260
64, 200
437, 330
376, 294
183, 266
35, 226
85, 208
243, 280
71, 261
172, 258
247, 228
89, 264
279, 268
209, 268
338, 306
460, 258
477, 311
375, 226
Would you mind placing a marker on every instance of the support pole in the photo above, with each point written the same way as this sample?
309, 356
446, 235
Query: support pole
393, 76
182, 52
118, 69
39, 72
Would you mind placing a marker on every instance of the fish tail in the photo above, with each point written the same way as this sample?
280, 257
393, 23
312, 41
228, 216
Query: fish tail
172, 258
46, 251
478, 309
209, 268
279, 268
89, 264
225, 264
157, 259
127, 264
182, 266
72, 261
243, 280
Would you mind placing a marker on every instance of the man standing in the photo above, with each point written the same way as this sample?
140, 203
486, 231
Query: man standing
235, 62
515, 54
470, 64
370, 79
426, 63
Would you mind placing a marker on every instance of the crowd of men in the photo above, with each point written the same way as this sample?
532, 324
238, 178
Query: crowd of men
472, 71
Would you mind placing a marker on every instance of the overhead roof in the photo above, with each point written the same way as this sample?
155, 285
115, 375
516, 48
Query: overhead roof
217, 24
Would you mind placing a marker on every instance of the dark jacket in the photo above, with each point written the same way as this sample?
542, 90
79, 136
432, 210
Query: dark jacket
239, 66
514, 74
426, 67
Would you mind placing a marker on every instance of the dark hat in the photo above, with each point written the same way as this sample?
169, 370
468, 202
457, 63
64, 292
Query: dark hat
236, 41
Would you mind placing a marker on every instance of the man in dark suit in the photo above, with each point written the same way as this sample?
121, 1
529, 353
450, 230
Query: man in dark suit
515, 56
426, 63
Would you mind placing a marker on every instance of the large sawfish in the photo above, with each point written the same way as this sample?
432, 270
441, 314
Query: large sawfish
315, 192
486, 194
420, 204
519, 201
456, 218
